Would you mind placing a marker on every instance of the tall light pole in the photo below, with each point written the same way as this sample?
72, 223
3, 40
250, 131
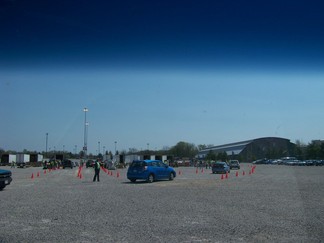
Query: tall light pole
98, 147
46, 143
85, 133
115, 147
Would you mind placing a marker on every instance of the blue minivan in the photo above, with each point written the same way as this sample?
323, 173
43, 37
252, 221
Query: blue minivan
150, 170
220, 167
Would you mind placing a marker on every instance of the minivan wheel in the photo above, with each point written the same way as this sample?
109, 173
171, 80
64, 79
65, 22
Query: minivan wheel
133, 180
150, 178
171, 177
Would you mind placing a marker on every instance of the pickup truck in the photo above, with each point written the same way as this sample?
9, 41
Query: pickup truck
5, 178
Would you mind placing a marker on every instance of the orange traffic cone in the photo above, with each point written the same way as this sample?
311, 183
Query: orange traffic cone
117, 174
237, 174
222, 177
243, 173
226, 175
32, 176
38, 174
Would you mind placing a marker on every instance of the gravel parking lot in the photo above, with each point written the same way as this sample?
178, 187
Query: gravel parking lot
273, 204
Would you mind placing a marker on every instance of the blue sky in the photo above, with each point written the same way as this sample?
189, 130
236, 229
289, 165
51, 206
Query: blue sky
159, 73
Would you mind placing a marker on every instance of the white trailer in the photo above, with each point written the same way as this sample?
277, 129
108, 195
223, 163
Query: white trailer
129, 158
164, 158
7, 159
36, 158
23, 160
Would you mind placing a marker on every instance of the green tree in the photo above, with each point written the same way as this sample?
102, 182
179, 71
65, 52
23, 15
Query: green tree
300, 149
311, 151
222, 156
201, 147
315, 150
211, 155
321, 153
81, 154
184, 149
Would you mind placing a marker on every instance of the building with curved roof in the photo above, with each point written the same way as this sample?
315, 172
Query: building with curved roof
249, 150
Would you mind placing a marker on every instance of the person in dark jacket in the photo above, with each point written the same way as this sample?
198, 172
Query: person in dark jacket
97, 170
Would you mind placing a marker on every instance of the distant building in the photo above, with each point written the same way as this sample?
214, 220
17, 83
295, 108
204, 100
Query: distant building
249, 150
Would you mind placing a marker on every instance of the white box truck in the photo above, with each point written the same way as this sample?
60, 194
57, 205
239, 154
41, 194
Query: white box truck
23, 160
36, 159
8, 159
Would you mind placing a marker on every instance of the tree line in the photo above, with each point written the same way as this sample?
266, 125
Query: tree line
313, 150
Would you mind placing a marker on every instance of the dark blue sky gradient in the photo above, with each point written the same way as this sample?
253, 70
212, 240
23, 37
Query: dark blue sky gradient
282, 34
206, 72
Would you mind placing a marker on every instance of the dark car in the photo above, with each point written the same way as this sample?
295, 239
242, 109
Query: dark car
67, 163
90, 163
260, 161
220, 167
21, 164
109, 164
319, 162
150, 170
234, 164
5, 178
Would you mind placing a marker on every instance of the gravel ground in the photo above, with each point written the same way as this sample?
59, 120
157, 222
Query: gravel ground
274, 204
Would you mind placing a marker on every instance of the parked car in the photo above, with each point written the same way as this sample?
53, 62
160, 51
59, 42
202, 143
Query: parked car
234, 164
109, 164
67, 163
149, 170
90, 163
21, 164
5, 178
261, 161
220, 167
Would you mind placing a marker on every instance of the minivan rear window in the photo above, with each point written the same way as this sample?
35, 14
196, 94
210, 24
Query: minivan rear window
219, 165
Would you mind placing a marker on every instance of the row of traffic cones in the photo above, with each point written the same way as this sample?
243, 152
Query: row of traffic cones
38, 173
237, 173
104, 169
32, 176
226, 175
202, 170
111, 173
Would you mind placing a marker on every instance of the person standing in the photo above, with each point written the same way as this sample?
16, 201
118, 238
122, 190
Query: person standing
97, 171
